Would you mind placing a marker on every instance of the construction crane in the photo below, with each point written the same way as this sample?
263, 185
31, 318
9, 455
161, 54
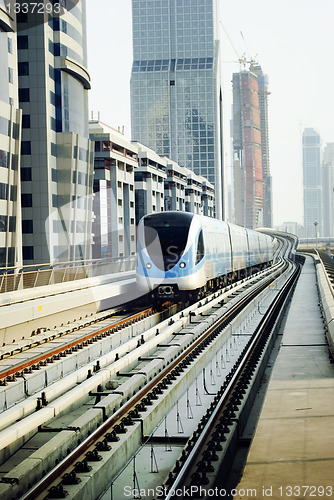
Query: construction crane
252, 60
242, 60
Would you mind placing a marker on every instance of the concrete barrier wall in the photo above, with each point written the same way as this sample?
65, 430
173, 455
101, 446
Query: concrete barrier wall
327, 299
24, 311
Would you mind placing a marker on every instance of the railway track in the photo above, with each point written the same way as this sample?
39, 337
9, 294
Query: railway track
125, 428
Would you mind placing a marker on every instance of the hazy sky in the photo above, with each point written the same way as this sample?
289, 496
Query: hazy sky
293, 40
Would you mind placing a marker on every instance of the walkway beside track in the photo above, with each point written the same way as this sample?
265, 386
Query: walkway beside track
292, 453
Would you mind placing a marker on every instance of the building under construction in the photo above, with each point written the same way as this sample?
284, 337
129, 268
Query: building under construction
252, 181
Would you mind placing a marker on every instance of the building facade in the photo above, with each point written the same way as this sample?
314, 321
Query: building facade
175, 187
312, 184
114, 225
208, 198
161, 184
149, 182
176, 97
10, 146
248, 175
56, 154
199, 195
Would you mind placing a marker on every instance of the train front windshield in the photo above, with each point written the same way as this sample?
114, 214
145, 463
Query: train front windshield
172, 231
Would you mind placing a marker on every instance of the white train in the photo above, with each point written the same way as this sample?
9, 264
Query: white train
181, 255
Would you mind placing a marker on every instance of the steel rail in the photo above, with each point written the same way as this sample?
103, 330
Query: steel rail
15, 370
78, 453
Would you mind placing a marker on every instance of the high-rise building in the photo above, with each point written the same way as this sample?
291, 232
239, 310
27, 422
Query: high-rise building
176, 96
248, 176
10, 134
56, 155
328, 189
312, 182
263, 91
116, 160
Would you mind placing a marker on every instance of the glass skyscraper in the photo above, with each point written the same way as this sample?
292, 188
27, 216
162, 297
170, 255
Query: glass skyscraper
312, 180
176, 97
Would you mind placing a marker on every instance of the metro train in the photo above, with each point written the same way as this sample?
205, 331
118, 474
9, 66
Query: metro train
182, 256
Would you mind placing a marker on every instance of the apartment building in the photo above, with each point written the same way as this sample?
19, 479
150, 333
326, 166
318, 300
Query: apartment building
150, 180
115, 163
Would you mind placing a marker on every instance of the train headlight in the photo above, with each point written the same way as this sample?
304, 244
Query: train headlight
148, 265
182, 265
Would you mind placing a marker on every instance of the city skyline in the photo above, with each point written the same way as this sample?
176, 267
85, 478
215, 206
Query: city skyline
295, 64
49, 148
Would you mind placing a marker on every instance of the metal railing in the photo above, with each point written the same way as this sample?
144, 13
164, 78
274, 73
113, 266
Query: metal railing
20, 278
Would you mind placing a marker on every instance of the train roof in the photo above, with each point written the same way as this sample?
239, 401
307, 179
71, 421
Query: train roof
179, 218
170, 217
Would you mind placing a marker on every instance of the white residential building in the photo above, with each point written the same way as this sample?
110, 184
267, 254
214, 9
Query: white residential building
116, 160
149, 182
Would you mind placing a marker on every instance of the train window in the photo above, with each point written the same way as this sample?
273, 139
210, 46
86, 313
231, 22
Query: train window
200, 248
172, 233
